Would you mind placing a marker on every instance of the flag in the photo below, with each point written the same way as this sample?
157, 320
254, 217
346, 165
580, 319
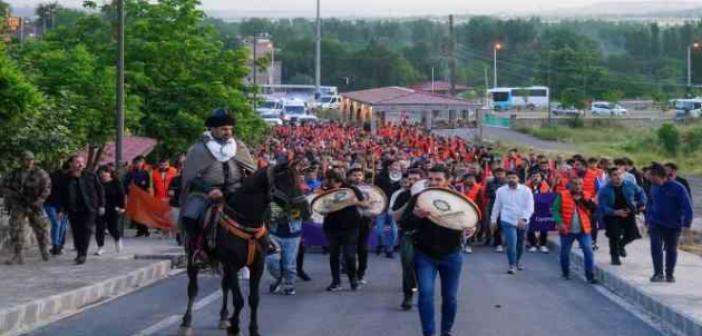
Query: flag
143, 208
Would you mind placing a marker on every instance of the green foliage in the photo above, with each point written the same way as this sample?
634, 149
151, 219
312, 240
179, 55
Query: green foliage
693, 139
669, 138
573, 97
613, 96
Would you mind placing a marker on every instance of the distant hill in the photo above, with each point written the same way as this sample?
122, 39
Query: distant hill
628, 9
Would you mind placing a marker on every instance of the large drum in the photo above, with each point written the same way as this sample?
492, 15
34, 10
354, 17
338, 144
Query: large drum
333, 200
377, 198
449, 209
316, 217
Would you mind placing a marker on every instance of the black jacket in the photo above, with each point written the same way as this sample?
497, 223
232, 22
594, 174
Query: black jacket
82, 194
384, 182
429, 238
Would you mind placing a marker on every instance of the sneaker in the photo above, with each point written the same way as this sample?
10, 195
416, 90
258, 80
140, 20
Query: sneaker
657, 278
80, 260
119, 246
499, 249
616, 262
532, 249
355, 286
100, 251
289, 291
467, 250
544, 249
670, 278
520, 267
44, 253
334, 287
511, 270
274, 288
595, 247
362, 280
406, 303
302, 275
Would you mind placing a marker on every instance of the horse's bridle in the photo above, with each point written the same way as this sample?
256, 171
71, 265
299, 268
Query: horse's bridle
274, 191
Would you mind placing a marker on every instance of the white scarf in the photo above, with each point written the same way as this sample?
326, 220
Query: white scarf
221, 152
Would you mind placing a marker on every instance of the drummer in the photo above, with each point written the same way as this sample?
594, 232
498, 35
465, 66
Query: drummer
437, 249
355, 179
341, 228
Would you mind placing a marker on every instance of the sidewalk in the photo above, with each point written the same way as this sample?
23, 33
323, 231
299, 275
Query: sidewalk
678, 305
39, 292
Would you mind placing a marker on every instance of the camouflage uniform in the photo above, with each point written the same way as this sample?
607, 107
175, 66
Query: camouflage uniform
25, 192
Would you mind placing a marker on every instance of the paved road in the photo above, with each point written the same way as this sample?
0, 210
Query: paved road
534, 302
507, 135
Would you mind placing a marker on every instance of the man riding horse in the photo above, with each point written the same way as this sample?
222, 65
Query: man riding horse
214, 166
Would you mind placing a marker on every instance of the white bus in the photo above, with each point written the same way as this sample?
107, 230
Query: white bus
507, 98
297, 91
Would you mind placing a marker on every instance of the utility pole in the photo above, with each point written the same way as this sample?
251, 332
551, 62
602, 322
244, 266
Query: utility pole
432, 79
120, 86
452, 58
253, 66
481, 112
318, 56
548, 84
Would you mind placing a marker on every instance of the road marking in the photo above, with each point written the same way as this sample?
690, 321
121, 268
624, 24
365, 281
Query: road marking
173, 319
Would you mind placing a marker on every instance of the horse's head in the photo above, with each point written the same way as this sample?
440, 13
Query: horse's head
284, 182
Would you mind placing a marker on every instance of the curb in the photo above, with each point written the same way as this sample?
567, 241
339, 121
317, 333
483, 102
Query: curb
28, 316
177, 260
672, 319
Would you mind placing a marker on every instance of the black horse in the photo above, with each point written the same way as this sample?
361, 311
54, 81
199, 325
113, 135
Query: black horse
245, 210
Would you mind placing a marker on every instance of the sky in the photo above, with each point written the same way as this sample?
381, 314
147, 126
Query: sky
383, 7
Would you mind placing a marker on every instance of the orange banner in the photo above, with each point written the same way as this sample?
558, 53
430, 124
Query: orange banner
148, 210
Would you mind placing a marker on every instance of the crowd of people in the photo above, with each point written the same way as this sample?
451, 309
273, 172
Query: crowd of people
587, 194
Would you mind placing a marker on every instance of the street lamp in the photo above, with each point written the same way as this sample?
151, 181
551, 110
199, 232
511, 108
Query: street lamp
497, 47
689, 62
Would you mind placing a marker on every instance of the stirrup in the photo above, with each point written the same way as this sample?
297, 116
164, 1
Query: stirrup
200, 259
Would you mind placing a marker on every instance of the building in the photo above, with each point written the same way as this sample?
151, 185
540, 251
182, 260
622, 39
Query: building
439, 87
397, 104
271, 73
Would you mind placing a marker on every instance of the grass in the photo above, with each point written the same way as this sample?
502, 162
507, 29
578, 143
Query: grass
640, 144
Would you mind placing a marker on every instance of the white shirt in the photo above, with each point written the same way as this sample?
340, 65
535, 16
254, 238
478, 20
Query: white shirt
513, 204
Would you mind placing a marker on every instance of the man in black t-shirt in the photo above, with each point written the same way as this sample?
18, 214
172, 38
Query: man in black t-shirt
341, 229
409, 280
437, 250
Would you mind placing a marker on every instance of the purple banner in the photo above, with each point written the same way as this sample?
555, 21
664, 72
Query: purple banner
542, 219
313, 235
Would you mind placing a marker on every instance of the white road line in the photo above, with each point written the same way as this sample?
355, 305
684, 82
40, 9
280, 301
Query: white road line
173, 319
642, 315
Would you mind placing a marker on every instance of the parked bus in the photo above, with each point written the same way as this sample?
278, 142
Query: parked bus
530, 98
297, 91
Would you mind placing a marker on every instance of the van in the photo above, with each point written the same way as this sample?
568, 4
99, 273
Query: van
688, 108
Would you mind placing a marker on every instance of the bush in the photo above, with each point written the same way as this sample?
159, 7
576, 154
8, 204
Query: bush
694, 139
576, 122
669, 138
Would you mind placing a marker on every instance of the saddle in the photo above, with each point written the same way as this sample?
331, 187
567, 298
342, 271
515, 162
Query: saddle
217, 217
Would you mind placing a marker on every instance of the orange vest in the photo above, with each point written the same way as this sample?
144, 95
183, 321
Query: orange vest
567, 208
590, 180
473, 192
161, 184
562, 184
543, 187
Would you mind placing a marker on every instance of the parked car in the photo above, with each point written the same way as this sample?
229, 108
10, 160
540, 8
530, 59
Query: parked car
272, 119
330, 102
602, 108
566, 111
688, 108
270, 106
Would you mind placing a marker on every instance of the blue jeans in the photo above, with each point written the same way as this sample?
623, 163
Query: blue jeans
514, 241
282, 266
585, 242
58, 226
449, 269
664, 238
380, 222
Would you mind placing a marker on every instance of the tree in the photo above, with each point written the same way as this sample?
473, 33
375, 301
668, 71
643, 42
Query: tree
26, 121
46, 13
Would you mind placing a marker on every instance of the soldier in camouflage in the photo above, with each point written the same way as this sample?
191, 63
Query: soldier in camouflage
25, 190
